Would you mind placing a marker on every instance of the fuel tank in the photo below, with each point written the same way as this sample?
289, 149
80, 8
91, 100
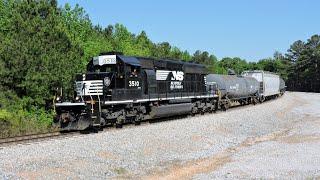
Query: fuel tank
235, 87
170, 110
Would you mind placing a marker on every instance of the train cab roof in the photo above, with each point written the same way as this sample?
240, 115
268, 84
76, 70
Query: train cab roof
146, 63
113, 59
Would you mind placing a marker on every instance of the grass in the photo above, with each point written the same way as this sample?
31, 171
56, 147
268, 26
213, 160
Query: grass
19, 117
23, 122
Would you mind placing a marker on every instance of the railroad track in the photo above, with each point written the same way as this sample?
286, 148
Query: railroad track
31, 138
44, 136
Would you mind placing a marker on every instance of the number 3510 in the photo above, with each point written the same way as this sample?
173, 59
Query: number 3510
133, 83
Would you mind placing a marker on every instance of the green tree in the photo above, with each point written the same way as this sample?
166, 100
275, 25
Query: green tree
124, 40
205, 58
304, 62
161, 50
237, 64
143, 45
36, 52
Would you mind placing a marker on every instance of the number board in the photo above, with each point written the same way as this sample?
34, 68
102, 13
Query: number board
134, 83
106, 59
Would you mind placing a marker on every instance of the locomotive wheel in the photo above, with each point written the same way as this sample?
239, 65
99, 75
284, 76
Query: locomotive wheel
223, 107
194, 111
118, 125
253, 101
119, 121
95, 130
226, 106
138, 118
137, 123
216, 107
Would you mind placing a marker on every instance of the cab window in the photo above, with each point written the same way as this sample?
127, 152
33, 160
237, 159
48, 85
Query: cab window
133, 71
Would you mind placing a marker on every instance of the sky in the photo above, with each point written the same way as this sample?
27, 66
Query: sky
249, 29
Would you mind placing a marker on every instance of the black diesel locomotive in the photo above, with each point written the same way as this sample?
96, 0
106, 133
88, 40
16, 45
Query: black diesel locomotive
120, 89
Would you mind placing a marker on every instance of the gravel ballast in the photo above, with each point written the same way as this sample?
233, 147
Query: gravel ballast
277, 139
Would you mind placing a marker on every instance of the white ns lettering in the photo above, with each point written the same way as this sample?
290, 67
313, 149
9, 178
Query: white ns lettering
177, 76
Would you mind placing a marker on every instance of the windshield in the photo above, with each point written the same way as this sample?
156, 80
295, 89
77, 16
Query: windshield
109, 68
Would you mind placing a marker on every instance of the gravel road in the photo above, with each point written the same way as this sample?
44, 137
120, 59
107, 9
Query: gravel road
277, 139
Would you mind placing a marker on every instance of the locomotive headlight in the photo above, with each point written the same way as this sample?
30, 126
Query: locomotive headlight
83, 77
77, 98
58, 98
107, 81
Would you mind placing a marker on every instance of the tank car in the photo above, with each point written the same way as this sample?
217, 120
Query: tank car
235, 88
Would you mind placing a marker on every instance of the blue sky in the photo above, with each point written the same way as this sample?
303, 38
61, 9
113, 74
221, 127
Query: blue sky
249, 29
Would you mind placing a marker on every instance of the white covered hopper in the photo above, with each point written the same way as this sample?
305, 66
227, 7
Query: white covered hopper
269, 82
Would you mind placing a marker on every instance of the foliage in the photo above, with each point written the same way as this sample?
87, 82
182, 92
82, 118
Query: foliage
303, 65
20, 117
36, 55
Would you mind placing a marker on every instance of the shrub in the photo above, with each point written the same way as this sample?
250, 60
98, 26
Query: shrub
20, 118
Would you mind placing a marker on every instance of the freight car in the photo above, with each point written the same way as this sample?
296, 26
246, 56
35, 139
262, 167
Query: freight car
271, 84
244, 90
121, 89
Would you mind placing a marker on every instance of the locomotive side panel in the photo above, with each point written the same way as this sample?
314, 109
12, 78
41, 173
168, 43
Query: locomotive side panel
175, 78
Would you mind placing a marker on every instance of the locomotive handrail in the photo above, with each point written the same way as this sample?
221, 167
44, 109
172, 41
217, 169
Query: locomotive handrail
99, 105
91, 103
83, 90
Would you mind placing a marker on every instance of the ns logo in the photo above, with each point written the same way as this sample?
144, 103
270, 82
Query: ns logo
163, 75
177, 76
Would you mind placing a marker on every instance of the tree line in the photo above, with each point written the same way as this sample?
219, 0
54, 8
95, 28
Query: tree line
42, 47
